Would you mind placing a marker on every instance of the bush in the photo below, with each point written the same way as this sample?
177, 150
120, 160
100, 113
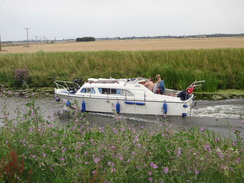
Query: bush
85, 39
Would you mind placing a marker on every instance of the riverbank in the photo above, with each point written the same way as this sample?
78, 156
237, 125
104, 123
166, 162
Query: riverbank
220, 95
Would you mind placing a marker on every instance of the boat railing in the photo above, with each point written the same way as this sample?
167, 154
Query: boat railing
69, 85
196, 84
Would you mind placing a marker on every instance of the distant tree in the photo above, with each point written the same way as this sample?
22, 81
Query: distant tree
85, 39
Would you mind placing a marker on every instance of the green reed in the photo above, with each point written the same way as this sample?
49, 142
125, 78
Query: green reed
221, 68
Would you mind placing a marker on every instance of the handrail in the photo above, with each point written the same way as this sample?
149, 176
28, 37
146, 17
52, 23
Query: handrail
65, 84
195, 84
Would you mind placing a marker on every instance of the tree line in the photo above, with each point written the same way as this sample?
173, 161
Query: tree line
85, 39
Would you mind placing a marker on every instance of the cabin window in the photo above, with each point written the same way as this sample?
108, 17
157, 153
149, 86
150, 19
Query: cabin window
127, 93
87, 90
112, 91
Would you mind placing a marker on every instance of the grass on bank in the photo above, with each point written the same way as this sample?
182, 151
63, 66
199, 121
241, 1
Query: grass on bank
221, 68
34, 149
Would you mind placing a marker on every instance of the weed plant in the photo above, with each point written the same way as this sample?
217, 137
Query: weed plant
221, 68
33, 149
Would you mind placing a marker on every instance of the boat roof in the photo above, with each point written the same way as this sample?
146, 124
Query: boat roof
119, 81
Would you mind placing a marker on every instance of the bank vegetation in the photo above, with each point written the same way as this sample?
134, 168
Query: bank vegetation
221, 68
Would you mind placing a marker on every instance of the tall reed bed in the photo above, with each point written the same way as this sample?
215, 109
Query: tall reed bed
36, 150
221, 68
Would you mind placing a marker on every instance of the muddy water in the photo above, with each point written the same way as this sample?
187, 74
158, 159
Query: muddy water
219, 116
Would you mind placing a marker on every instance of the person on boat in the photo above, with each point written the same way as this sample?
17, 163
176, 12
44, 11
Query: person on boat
159, 85
149, 84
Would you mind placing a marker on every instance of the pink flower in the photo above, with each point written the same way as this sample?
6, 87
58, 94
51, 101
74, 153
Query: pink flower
217, 139
196, 172
96, 160
179, 151
207, 147
166, 170
62, 159
111, 163
153, 165
150, 179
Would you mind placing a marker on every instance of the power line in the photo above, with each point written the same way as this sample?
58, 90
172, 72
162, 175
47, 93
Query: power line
16, 18
9, 15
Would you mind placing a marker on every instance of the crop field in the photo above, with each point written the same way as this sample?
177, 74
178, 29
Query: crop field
128, 45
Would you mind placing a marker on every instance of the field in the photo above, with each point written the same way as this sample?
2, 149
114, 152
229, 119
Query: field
36, 149
129, 45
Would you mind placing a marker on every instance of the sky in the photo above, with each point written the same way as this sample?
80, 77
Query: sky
69, 19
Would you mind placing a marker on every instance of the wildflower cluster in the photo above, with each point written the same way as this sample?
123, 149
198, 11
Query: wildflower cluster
79, 152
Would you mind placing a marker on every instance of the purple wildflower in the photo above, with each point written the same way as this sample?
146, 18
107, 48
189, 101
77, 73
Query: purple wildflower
153, 165
217, 139
96, 160
62, 159
166, 170
196, 172
207, 147
179, 151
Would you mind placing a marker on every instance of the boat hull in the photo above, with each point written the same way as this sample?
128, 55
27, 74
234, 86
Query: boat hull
126, 105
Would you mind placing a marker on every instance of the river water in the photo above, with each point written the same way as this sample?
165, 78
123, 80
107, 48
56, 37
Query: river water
220, 116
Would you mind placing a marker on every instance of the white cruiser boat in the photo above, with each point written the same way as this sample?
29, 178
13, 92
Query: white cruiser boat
124, 96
